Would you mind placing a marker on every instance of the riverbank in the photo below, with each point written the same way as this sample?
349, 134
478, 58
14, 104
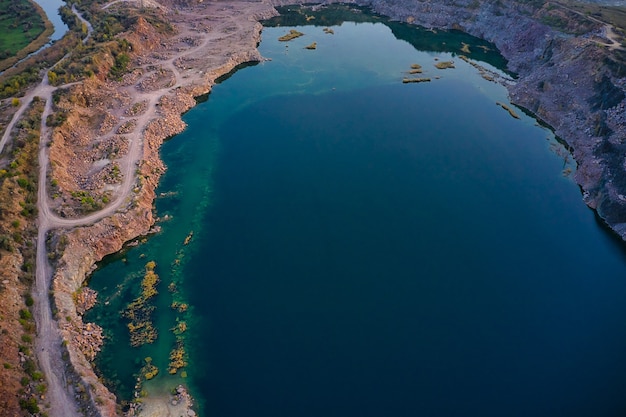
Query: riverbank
211, 40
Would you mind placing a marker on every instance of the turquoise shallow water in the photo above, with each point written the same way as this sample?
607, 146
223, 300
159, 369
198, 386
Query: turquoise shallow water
366, 247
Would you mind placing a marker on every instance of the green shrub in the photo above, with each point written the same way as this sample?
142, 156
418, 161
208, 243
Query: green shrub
29, 405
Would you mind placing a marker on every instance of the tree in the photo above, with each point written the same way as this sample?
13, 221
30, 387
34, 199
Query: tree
52, 77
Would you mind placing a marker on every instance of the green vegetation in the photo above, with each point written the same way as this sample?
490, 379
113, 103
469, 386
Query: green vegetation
29, 300
20, 24
87, 202
69, 18
30, 405
108, 23
25, 314
93, 59
104, 54
14, 80
293, 34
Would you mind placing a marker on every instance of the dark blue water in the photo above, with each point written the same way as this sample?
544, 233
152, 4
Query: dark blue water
364, 247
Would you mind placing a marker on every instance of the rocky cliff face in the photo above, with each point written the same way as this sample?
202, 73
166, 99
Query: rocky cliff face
79, 249
566, 77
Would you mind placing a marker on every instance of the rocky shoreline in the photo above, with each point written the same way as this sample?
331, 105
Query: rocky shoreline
563, 79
